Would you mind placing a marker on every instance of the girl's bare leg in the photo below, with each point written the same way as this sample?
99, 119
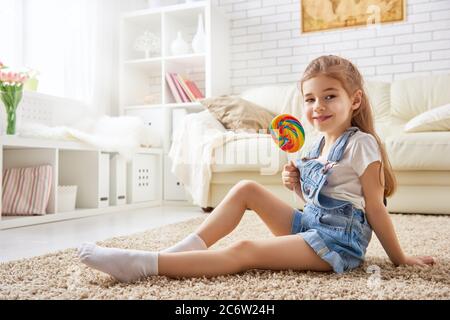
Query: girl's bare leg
278, 253
275, 213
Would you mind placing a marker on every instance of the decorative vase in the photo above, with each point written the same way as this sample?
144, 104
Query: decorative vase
11, 97
179, 46
31, 84
198, 43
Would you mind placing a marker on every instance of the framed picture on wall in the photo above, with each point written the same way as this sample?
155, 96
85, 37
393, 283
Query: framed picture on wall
321, 15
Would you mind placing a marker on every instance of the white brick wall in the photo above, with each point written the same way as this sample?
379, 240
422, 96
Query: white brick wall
268, 47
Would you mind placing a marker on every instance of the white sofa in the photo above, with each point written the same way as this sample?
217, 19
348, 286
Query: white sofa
421, 161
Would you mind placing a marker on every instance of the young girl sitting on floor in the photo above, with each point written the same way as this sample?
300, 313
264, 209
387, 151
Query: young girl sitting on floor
343, 180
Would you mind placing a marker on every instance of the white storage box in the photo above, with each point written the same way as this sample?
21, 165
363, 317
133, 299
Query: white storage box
67, 198
142, 178
103, 180
118, 185
173, 188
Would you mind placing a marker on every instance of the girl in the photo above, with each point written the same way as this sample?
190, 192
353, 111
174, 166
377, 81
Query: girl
343, 181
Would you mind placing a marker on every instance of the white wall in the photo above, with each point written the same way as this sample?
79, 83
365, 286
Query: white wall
268, 47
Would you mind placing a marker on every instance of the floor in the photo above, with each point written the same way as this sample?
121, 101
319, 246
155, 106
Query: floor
41, 239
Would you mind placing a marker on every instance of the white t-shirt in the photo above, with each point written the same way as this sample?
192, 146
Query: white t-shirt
343, 182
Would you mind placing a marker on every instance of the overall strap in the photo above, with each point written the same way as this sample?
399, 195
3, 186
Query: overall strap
338, 148
314, 153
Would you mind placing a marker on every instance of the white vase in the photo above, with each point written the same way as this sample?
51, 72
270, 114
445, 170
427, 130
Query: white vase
179, 46
199, 41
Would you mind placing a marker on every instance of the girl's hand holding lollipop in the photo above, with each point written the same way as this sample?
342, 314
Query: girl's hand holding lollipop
288, 133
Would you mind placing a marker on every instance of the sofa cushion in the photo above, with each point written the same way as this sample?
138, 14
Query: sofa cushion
411, 97
419, 151
437, 119
379, 94
236, 113
278, 99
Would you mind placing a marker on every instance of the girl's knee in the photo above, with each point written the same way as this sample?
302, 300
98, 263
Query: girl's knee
246, 185
247, 189
242, 252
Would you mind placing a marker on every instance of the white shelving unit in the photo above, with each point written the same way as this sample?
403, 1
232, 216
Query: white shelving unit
89, 169
142, 77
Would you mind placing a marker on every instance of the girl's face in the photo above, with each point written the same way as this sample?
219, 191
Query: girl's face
328, 107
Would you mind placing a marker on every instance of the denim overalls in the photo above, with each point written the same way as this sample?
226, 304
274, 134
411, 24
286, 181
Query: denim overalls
338, 232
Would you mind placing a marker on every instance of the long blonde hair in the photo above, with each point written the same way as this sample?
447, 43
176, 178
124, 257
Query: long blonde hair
348, 75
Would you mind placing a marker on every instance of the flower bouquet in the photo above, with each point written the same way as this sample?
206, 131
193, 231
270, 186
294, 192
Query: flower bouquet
11, 91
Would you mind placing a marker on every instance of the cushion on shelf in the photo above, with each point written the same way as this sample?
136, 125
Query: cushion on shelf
236, 113
26, 191
437, 119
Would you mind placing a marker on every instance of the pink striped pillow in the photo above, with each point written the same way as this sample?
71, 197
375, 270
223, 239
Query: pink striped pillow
26, 191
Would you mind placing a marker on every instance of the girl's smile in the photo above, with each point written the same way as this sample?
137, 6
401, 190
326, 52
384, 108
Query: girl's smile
321, 119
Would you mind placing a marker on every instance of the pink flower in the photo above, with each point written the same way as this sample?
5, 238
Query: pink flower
23, 78
10, 76
13, 78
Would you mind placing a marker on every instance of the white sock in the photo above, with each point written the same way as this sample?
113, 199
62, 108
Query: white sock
191, 243
124, 265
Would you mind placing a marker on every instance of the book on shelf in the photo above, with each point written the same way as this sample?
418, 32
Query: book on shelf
173, 88
185, 87
183, 95
182, 88
194, 89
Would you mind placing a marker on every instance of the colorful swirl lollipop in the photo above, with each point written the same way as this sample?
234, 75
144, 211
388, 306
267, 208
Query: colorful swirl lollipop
287, 132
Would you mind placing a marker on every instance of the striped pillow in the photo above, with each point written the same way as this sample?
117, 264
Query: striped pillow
26, 191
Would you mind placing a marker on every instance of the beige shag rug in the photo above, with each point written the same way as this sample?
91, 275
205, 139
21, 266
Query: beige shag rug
61, 276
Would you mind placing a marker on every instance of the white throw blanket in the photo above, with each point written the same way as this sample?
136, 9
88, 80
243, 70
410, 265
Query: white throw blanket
124, 135
191, 153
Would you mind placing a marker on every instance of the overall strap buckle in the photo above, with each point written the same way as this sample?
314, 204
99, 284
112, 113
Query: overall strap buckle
328, 166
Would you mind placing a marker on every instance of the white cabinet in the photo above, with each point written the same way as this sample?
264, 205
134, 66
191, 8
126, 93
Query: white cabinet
156, 118
104, 181
173, 188
144, 177
143, 89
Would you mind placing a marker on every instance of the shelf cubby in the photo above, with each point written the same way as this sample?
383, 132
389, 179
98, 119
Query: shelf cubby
20, 157
142, 83
134, 27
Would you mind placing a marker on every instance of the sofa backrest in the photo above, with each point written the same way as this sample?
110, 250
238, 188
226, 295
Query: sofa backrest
379, 94
411, 97
278, 98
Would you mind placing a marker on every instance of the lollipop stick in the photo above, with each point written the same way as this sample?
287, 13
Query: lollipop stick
296, 156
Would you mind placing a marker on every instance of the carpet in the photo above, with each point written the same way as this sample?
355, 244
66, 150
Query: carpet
60, 276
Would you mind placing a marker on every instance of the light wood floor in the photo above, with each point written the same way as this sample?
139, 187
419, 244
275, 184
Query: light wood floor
37, 240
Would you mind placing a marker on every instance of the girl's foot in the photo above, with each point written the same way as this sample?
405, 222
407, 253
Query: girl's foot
123, 265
